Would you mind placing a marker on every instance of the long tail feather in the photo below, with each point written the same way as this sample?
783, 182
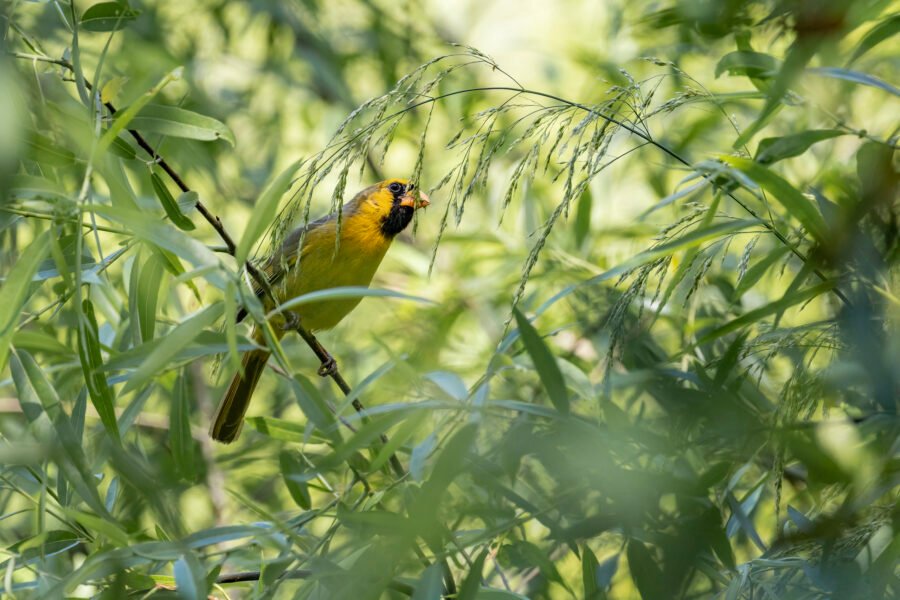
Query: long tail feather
230, 415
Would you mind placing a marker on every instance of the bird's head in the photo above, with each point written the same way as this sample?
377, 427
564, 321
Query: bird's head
392, 202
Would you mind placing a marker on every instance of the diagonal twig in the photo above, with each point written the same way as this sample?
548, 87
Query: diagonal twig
318, 349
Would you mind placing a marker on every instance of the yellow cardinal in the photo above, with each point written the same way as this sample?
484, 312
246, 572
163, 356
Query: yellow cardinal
310, 260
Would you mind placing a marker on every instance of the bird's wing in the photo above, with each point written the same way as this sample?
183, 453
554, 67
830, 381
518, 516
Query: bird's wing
282, 261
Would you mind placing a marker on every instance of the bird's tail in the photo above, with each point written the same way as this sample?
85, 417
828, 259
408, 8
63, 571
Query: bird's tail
230, 415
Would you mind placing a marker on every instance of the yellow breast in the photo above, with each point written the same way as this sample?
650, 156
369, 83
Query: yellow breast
324, 264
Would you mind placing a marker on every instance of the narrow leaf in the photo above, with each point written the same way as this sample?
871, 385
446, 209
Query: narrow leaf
589, 566
772, 150
796, 203
176, 339
92, 366
190, 578
855, 77
107, 16
544, 363
886, 29
752, 64
340, 293
295, 473
430, 585
583, 217
180, 438
120, 123
173, 211
15, 290
764, 311
177, 122
38, 398
469, 588
645, 573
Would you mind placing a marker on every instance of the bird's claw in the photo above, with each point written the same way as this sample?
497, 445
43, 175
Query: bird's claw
328, 367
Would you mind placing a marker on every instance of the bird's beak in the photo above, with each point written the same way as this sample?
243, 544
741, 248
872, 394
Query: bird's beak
415, 199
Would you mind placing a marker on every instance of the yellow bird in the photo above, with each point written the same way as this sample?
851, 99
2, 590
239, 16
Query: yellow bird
310, 260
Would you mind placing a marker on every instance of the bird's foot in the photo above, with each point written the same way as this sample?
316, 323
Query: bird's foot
328, 367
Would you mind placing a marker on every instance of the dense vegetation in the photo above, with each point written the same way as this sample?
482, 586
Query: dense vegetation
644, 343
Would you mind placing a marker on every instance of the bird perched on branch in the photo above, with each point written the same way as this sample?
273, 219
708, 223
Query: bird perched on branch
312, 259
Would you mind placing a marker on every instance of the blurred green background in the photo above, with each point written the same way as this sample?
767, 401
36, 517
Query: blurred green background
657, 354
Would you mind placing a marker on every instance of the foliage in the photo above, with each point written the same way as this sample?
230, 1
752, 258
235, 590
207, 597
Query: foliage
643, 344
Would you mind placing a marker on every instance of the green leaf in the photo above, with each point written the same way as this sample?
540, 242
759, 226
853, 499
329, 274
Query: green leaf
645, 573
15, 290
123, 118
450, 463
472, 583
47, 151
107, 16
751, 64
296, 473
690, 240
228, 533
206, 343
583, 217
796, 203
92, 366
492, 594
450, 384
173, 211
772, 150
758, 270
38, 398
96, 525
718, 539
31, 186
278, 429
764, 311
264, 211
366, 435
180, 438
38, 341
340, 293
729, 363
181, 123
740, 515
166, 237
145, 295
886, 29
675, 196
398, 438
430, 584
855, 77
314, 407
176, 339
544, 363
797, 57
523, 553
589, 567
190, 578
122, 149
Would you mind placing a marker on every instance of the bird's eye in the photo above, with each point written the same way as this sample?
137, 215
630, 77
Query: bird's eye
395, 188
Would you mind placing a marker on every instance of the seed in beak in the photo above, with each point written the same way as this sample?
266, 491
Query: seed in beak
409, 199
